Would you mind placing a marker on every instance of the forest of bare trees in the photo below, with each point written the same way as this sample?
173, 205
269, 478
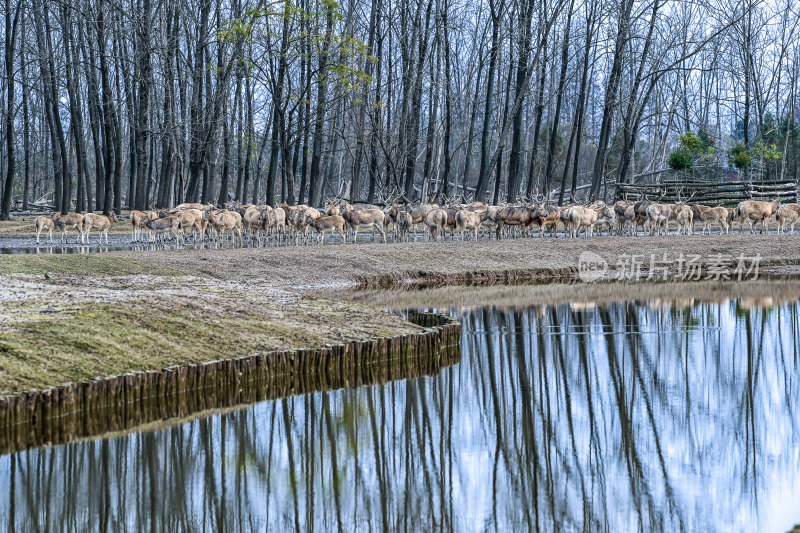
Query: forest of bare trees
115, 104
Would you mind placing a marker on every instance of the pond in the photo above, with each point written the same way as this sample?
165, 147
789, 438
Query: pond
620, 416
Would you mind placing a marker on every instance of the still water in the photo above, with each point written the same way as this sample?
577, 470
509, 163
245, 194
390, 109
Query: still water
616, 417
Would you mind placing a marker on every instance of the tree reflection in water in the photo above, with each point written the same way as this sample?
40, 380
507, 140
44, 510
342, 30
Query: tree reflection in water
618, 417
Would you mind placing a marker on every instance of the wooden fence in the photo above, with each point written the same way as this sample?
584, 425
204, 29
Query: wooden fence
727, 193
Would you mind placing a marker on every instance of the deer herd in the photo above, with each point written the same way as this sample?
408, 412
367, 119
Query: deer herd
260, 224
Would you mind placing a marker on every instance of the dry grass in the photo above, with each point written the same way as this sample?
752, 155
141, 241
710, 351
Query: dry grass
87, 264
336, 265
71, 327
74, 317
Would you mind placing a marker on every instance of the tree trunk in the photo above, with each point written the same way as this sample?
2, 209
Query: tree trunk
635, 106
515, 157
362, 111
448, 119
485, 169
26, 126
76, 116
63, 179
240, 139
376, 132
471, 134
319, 118
582, 97
197, 109
144, 73
278, 108
537, 122
168, 141
226, 158
414, 111
433, 99
10, 44
96, 118
112, 139
551, 152
499, 172
611, 96
249, 139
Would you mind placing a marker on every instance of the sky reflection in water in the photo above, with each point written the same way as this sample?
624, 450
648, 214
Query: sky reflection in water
617, 417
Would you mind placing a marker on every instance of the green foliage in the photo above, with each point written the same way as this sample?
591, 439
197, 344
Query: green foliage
694, 147
767, 152
680, 160
235, 29
263, 25
697, 144
690, 142
706, 141
740, 157
350, 78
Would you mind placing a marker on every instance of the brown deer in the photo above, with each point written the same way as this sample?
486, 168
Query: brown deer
364, 218
324, 224
755, 211
223, 221
788, 213
138, 219
711, 215
468, 220
159, 227
101, 223
65, 222
45, 223
436, 220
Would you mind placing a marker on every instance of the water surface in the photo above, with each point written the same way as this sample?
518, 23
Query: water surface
617, 417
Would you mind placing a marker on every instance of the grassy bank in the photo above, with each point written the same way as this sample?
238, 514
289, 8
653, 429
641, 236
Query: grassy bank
59, 324
88, 265
74, 317
541, 259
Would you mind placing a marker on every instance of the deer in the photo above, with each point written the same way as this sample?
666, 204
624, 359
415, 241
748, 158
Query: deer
65, 222
324, 224
436, 220
468, 220
138, 219
101, 223
159, 227
364, 218
403, 222
45, 223
684, 215
755, 211
788, 213
223, 221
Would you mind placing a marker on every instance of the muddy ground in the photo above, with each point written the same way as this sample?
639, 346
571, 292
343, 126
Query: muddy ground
77, 316
329, 266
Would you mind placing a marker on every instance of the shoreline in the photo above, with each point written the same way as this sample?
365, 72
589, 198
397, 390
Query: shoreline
208, 303
122, 403
286, 299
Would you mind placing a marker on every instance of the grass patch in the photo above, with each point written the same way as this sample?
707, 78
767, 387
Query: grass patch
43, 349
87, 264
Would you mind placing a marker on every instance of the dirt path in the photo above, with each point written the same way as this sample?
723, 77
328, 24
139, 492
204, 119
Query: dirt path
315, 267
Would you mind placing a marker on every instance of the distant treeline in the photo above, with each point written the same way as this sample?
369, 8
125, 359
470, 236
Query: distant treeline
110, 104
